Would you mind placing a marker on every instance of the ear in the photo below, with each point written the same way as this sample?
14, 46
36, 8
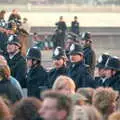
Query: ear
62, 114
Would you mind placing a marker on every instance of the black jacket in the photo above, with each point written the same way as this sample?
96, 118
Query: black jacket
75, 27
18, 68
37, 80
79, 73
54, 73
113, 82
90, 59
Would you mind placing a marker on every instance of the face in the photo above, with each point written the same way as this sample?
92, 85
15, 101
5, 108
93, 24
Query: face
108, 73
11, 48
67, 90
3, 59
58, 63
76, 58
49, 109
101, 72
29, 63
83, 43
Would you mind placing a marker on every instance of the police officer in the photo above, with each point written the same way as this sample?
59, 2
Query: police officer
15, 60
89, 54
37, 77
100, 79
78, 70
75, 26
59, 61
60, 33
112, 73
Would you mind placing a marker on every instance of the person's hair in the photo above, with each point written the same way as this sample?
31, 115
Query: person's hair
86, 113
4, 71
114, 116
62, 81
26, 109
103, 97
4, 111
2, 12
63, 101
87, 92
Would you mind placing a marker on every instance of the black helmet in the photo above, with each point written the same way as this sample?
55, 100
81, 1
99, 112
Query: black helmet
58, 53
33, 53
113, 63
102, 60
86, 36
76, 49
12, 39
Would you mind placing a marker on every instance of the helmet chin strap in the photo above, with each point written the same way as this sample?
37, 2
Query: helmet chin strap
34, 63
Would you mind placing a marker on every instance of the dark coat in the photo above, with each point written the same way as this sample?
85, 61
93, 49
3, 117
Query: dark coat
37, 80
78, 72
3, 42
61, 26
54, 73
10, 91
75, 27
18, 68
99, 82
90, 59
58, 39
113, 82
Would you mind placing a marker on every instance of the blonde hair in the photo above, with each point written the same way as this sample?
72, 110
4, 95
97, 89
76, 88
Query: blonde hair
4, 68
114, 116
86, 113
62, 81
103, 97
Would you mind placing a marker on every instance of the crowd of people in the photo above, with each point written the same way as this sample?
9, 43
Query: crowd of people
70, 90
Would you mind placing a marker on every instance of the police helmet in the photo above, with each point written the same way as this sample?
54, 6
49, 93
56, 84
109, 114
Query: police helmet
76, 49
58, 53
102, 60
113, 63
12, 39
86, 36
33, 53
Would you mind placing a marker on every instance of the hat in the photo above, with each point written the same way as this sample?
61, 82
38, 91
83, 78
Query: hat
113, 63
33, 53
102, 60
76, 49
58, 53
12, 39
86, 36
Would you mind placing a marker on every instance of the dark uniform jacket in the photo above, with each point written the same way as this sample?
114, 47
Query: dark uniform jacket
3, 36
61, 26
90, 59
37, 80
9, 91
58, 38
78, 72
18, 68
99, 82
113, 82
75, 27
54, 73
